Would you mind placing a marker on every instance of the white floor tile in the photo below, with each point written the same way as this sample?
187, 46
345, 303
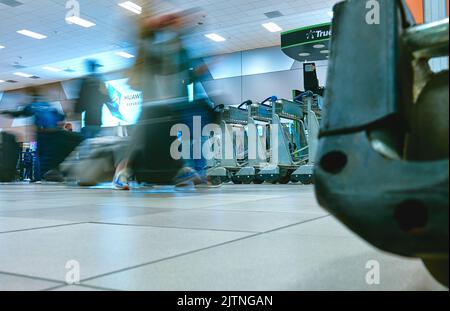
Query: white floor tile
76, 288
18, 283
98, 249
147, 253
13, 224
277, 261
86, 213
220, 220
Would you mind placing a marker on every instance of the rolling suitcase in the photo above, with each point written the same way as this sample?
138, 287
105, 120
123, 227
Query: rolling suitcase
94, 161
9, 156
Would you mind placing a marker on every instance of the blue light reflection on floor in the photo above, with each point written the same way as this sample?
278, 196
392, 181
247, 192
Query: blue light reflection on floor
150, 189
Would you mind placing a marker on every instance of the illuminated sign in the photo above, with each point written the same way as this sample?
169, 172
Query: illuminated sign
125, 106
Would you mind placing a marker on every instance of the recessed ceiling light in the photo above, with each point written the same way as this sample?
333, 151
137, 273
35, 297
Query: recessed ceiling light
130, 6
304, 54
330, 14
31, 34
272, 27
79, 21
325, 51
1, 47
124, 54
215, 37
21, 74
319, 46
53, 69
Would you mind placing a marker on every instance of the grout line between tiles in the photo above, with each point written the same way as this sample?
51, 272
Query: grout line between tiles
44, 227
293, 225
36, 278
211, 209
199, 250
80, 285
62, 284
171, 227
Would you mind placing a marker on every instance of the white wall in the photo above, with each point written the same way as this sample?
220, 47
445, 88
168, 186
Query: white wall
256, 75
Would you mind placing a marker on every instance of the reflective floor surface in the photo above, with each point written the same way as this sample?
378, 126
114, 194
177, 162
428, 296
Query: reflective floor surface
236, 237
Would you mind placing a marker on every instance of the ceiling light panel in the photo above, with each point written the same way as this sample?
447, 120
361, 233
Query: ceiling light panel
131, 6
32, 34
124, 54
22, 74
52, 69
79, 21
215, 37
272, 27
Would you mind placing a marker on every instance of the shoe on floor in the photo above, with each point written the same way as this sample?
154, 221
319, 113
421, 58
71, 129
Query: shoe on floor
207, 183
122, 180
186, 176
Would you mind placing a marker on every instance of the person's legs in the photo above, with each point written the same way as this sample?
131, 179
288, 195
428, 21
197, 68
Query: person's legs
40, 151
47, 144
27, 172
37, 167
123, 161
203, 112
32, 177
22, 170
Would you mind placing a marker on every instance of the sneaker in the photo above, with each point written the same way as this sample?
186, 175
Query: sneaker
187, 175
121, 180
206, 182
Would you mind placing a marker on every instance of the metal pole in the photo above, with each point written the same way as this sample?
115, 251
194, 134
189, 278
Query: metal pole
429, 40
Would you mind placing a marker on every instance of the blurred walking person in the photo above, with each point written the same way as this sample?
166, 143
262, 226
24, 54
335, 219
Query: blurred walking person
46, 120
162, 72
93, 95
28, 165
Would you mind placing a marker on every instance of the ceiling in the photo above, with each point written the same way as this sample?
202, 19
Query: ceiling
67, 46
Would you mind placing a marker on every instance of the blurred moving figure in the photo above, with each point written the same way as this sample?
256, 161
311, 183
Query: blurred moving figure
28, 165
46, 121
93, 95
162, 72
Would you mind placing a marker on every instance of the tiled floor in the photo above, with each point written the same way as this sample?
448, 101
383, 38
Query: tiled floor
261, 237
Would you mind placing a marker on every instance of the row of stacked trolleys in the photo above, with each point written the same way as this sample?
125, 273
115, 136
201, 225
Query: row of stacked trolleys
274, 141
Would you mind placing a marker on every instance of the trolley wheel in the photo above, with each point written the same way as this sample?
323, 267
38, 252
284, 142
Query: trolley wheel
306, 179
258, 181
216, 181
285, 180
236, 181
